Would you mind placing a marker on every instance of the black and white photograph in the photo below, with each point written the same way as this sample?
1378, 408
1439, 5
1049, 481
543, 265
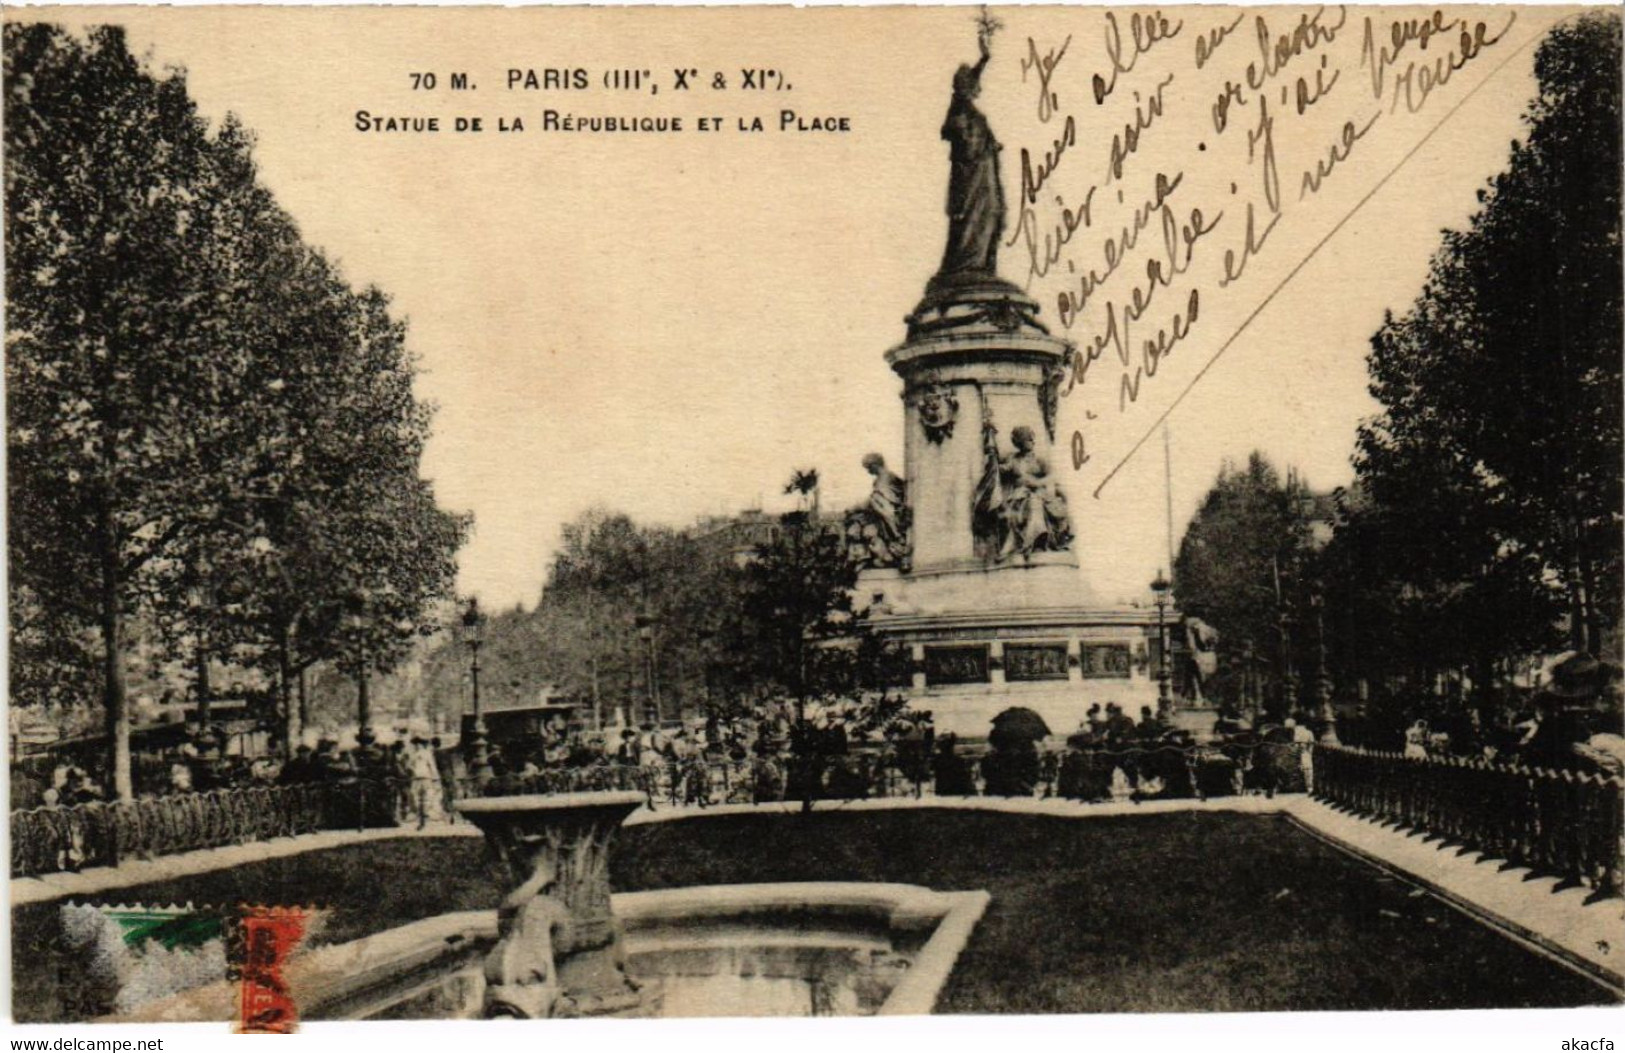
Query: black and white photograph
558, 513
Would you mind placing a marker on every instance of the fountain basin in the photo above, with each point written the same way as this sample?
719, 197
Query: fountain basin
794, 949
561, 945
797, 949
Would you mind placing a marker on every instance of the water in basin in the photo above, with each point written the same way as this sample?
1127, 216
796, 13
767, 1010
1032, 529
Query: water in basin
751, 970
730, 959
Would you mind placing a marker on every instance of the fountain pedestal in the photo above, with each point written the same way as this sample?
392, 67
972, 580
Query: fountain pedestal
560, 950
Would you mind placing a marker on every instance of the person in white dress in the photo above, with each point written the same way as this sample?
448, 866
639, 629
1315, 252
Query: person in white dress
1416, 738
426, 788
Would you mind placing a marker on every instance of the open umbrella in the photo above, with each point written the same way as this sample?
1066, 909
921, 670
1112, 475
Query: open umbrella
1019, 722
1580, 676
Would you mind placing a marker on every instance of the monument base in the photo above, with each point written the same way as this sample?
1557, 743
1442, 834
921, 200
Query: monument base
1196, 718
982, 641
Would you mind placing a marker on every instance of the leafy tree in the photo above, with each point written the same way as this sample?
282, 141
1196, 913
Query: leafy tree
53, 655
799, 635
1490, 484
1540, 380
1242, 559
635, 614
237, 588
209, 432
1426, 576
113, 352
798, 600
360, 552
402, 559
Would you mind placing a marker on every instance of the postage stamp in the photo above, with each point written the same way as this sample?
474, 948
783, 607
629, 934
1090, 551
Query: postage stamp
261, 940
132, 961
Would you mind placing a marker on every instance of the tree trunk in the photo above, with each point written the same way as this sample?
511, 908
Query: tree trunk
114, 698
597, 706
1579, 573
1588, 604
1577, 600
291, 727
363, 704
203, 688
1483, 696
304, 700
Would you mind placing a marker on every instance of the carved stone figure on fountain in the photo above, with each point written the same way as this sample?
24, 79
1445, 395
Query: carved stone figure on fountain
560, 951
521, 977
1019, 508
877, 531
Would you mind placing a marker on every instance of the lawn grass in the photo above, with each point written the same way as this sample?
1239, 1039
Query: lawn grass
1172, 912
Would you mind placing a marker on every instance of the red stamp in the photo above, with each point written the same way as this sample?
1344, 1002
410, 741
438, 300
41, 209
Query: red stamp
266, 938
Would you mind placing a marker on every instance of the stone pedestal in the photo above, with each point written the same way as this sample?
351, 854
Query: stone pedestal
560, 951
990, 629
976, 357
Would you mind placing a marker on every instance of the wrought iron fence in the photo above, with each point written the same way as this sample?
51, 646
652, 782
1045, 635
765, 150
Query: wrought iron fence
1563, 823
1219, 769
58, 838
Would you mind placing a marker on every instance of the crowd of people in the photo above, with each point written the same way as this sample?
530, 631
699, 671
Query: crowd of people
772, 756
409, 767
835, 752
1112, 756
1539, 734
71, 784
848, 753
836, 755
1574, 721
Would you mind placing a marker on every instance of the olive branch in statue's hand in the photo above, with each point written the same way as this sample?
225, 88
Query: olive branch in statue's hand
986, 26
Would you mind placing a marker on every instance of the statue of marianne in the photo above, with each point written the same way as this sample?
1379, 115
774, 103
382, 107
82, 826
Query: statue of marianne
975, 195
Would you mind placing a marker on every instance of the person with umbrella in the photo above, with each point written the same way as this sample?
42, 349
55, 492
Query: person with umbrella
1011, 769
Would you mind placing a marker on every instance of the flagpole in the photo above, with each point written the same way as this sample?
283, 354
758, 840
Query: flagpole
1168, 492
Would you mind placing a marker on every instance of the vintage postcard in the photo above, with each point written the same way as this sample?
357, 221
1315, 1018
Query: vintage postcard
695, 512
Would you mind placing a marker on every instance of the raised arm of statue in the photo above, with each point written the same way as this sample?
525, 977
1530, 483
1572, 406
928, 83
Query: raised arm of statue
986, 26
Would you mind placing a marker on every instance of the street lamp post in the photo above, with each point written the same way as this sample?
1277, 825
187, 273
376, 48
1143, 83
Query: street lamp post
363, 708
646, 638
357, 622
1323, 679
1249, 676
1159, 590
473, 625
1289, 673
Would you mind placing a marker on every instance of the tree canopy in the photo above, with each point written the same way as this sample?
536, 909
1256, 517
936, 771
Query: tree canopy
1490, 485
1241, 562
1485, 516
210, 433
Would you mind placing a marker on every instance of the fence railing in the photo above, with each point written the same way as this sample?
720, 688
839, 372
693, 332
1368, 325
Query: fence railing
1090, 775
59, 838
1562, 823
1164, 772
